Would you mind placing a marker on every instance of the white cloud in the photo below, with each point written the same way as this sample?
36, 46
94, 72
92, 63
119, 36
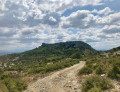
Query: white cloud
110, 19
81, 19
28, 23
105, 11
2, 5
111, 29
52, 19
61, 5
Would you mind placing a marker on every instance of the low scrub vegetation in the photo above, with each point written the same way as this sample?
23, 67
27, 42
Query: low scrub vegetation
53, 66
76, 55
95, 89
3, 87
8, 83
99, 65
101, 69
86, 70
14, 85
96, 83
114, 72
97, 68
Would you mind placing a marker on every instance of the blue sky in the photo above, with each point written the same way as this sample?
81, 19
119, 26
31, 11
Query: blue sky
26, 24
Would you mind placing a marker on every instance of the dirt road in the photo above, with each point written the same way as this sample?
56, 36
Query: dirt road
61, 81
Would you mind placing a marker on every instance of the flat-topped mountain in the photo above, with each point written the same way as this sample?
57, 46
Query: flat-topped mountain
62, 49
68, 45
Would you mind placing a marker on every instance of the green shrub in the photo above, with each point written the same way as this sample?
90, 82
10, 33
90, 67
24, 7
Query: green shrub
115, 71
95, 89
96, 81
39, 70
76, 55
101, 69
21, 85
1, 71
3, 88
52, 67
4, 76
86, 70
10, 84
9, 75
15, 85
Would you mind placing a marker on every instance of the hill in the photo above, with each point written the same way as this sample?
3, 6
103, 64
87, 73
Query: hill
51, 51
58, 50
48, 52
114, 50
63, 48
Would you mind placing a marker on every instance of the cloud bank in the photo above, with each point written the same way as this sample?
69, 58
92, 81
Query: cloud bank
26, 24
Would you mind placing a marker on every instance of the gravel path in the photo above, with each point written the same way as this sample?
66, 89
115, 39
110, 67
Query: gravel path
61, 81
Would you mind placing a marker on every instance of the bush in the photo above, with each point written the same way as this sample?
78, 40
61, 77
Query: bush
3, 88
10, 84
4, 76
95, 89
9, 75
52, 67
76, 55
96, 81
15, 85
115, 71
101, 69
1, 71
39, 70
86, 70
21, 85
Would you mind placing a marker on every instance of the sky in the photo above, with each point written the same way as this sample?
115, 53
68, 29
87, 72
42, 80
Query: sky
26, 24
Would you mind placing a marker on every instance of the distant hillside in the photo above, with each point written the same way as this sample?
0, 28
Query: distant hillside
114, 49
3, 52
63, 48
58, 50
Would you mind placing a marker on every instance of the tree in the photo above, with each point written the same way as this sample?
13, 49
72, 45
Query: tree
76, 55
